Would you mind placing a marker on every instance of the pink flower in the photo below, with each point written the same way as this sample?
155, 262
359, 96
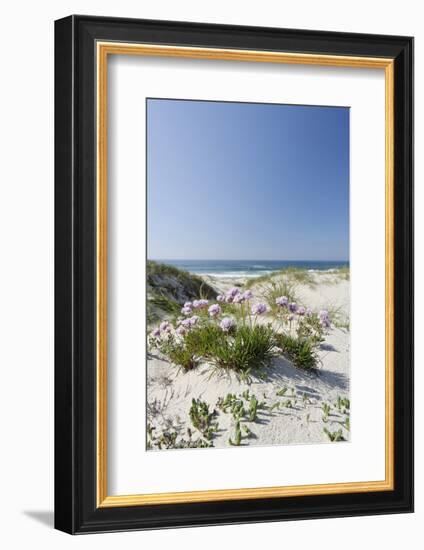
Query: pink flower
165, 326
227, 324
324, 318
233, 292
258, 309
293, 307
193, 320
199, 304
247, 295
214, 310
282, 301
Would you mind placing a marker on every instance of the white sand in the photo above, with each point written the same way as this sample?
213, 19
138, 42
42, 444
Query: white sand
170, 390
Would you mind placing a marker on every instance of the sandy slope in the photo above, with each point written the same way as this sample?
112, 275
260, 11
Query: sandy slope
170, 391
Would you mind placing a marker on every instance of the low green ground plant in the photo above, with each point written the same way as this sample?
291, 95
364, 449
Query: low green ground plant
334, 436
202, 419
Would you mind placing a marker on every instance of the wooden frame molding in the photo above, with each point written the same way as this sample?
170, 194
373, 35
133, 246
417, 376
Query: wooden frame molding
103, 50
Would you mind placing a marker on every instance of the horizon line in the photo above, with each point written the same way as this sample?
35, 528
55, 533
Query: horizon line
245, 260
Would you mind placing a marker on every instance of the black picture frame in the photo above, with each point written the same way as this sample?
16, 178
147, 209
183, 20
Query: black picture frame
76, 510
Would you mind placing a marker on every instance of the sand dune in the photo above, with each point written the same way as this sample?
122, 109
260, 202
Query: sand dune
170, 391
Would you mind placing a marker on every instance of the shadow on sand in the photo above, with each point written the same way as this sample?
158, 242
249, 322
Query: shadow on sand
283, 372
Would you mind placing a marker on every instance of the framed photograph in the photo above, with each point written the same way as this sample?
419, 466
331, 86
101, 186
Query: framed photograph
234, 274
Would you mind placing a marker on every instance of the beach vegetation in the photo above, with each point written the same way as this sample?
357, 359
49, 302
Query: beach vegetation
169, 287
326, 410
249, 348
343, 404
338, 317
334, 436
343, 273
169, 439
202, 419
243, 342
299, 275
237, 435
274, 289
300, 351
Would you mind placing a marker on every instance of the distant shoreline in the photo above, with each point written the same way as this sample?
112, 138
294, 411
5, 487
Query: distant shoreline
247, 269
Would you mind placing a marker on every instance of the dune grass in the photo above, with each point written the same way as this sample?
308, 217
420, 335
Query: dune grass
169, 287
300, 351
245, 348
343, 273
274, 289
193, 285
291, 275
338, 317
299, 275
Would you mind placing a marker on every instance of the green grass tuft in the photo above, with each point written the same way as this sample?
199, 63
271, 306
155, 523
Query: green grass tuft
169, 287
301, 352
275, 289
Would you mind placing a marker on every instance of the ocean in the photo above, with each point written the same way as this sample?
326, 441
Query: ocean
249, 268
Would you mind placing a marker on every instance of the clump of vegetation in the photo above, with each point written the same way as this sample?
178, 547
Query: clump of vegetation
192, 285
202, 419
300, 275
180, 355
310, 327
343, 273
233, 404
249, 348
238, 408
300, 351
241, 350
169, 287
253, 409
237, 436
334, 436
339, 318
242, 343
168, 439
343, 404
289, 274
164, 304
243, 407
326, 409
274, 289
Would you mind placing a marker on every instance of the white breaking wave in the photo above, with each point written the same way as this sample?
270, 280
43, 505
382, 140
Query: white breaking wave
233, 274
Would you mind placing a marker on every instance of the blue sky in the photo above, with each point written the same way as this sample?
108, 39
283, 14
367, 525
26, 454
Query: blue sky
247, 181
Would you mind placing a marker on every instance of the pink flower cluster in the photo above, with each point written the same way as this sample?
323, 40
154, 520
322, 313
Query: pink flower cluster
259, 309
214, 310
292, 307
196, 304
227, 324
235, 296
184, 325
324, 318
163, 328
